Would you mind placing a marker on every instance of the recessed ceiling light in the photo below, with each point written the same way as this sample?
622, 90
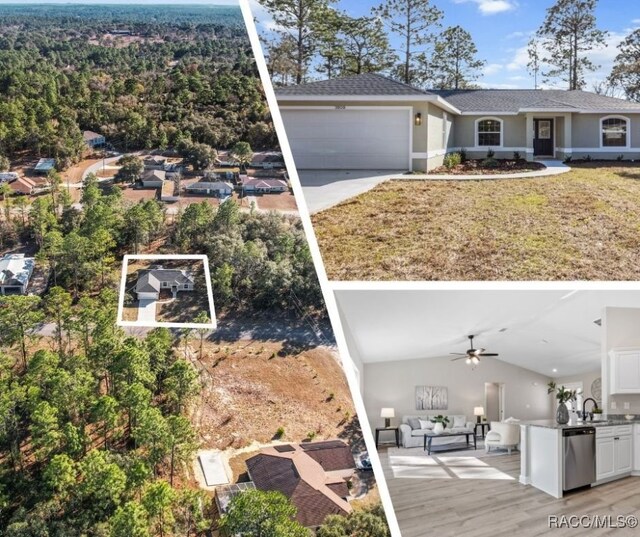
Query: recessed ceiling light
554, 370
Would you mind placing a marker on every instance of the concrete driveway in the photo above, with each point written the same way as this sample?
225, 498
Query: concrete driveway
326, 188
147, 311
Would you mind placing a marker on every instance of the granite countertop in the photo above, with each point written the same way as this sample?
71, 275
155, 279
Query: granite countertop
552, 424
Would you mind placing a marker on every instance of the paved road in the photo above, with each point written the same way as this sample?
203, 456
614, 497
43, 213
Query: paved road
326, 188
294, 332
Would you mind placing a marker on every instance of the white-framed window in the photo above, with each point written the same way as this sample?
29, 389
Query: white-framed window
614, 132
489, 132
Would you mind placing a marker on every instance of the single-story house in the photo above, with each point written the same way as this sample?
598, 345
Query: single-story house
256, 185
312, 475
153, 178
370, 121
15, 273
267, 160
210, 188
45, 165
93, 139
168, 191
152, 281
23, 185
7, 177
155, 162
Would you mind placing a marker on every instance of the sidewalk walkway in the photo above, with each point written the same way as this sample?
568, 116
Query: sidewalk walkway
553, 167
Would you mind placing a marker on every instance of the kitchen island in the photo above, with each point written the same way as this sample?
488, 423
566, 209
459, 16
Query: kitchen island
542, 459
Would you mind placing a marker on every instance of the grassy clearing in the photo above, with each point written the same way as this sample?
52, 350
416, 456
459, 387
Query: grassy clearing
584, 225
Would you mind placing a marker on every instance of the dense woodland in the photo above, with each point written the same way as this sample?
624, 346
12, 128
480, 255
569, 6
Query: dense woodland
405, 39
187, 74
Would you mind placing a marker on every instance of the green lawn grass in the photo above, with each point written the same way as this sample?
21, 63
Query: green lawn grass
583, 225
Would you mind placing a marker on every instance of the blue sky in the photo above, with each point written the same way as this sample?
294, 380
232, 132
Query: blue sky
501, 29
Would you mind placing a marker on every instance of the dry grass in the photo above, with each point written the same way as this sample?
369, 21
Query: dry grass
251, 388
277, 202
584, 225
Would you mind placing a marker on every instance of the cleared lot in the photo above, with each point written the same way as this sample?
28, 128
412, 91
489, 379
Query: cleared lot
584, 225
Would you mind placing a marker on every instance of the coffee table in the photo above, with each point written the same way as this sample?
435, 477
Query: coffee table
428, 437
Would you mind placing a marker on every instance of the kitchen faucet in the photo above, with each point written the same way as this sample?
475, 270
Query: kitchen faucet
584, 403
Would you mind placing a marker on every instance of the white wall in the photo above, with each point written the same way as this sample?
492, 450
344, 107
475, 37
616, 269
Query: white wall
392, 384
587, 380
622, 329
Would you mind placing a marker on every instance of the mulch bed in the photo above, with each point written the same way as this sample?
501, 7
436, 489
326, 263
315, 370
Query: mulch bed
475, 167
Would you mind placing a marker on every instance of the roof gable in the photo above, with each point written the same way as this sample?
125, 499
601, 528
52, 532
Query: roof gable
364, 84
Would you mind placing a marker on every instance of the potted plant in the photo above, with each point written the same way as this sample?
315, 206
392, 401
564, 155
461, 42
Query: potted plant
597, 414
563, 396
440, 423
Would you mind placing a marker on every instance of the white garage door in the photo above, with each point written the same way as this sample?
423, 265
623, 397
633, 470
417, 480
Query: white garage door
349, 139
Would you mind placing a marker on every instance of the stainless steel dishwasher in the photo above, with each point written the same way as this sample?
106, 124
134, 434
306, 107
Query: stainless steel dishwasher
579, 447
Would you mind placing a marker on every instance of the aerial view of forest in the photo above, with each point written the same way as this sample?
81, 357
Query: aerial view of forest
144, 129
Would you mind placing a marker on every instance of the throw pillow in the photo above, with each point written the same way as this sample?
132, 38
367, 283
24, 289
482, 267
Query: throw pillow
459, 421
426, 424
414, 423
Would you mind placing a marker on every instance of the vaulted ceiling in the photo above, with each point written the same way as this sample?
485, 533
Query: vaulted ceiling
551, 332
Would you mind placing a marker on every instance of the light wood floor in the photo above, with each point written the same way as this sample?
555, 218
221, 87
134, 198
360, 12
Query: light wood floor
451, 506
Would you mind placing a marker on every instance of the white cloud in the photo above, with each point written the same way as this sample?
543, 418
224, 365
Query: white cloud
492, 69
491, 7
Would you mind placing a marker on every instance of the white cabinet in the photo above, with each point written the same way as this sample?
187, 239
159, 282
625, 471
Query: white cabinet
636, 447
623, 458
625, 371
605, 458
614, 452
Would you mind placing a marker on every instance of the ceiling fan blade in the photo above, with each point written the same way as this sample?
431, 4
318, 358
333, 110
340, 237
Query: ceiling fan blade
489, 354
458, 353
459, 358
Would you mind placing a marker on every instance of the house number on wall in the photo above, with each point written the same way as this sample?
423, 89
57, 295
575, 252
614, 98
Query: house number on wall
341, 107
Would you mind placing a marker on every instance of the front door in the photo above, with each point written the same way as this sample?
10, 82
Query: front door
543, 138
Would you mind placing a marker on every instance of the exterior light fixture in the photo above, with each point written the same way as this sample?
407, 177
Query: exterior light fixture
418, 119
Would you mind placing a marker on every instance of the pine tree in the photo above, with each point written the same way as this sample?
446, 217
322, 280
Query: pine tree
413, 21
626, 69
568, 32
454, 63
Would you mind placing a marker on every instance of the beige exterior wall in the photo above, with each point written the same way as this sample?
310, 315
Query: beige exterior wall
586, 130
514, 131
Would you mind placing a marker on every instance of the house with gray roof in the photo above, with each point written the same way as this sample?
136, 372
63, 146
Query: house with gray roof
15, 273
370, 121
157, 278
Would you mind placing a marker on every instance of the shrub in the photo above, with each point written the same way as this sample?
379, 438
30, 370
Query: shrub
279, 433
620, 158
567, 159
588, 158
491, 153
516, 156
452, 160
463, 155
331, 397
311, 435
490, 163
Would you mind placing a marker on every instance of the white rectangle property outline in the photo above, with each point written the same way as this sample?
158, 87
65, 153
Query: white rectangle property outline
172, 257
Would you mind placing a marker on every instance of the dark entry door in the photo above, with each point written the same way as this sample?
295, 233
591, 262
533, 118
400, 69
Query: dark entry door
543, 139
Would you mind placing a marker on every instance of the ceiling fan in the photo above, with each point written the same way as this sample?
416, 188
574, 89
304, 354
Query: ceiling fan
472, 356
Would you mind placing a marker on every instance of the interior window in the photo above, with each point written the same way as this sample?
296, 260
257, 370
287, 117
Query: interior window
489, 132
614, 132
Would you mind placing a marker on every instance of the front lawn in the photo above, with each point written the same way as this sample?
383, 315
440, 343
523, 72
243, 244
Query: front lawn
583, 225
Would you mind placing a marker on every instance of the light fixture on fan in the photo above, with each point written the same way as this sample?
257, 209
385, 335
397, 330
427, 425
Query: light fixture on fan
473, 355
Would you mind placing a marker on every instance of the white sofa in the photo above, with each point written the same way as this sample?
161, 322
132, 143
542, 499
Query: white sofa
414, 437
502, 435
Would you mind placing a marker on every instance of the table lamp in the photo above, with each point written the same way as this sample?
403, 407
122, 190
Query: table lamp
387, 414
478, 411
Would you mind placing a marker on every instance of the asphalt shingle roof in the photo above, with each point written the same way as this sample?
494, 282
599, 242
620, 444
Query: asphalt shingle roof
490, 100
481, 100
364, 84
